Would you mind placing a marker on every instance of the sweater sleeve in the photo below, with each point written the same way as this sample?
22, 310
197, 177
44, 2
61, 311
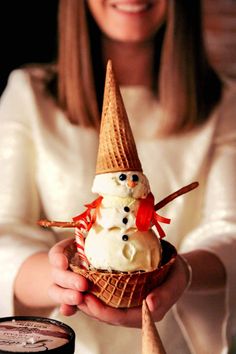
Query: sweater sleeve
217, 230
20, 237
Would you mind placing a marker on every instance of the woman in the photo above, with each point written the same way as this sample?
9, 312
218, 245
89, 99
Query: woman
184, 129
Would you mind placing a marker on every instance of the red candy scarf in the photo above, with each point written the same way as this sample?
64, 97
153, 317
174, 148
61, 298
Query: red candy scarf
146, 216
145, 219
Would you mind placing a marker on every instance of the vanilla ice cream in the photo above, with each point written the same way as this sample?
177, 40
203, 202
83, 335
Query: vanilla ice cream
126, 252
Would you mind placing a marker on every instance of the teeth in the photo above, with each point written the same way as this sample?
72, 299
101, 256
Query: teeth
133, 8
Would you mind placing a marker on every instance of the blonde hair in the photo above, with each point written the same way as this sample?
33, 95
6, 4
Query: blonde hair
187, 86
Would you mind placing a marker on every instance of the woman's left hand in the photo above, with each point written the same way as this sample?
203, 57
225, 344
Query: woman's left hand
159, 301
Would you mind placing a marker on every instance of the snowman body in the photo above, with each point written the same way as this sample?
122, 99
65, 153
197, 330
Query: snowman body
114, 242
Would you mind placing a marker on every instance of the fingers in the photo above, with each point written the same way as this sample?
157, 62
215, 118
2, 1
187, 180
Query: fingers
65, 296
56, 256
158, 304
153, 301
68, 310
118, 317
67, 288
70, 280
162, 298
60, 273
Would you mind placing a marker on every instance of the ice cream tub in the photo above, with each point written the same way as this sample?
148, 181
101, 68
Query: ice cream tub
35, 335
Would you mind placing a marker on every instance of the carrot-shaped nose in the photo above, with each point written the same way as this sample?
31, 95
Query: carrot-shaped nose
131, 184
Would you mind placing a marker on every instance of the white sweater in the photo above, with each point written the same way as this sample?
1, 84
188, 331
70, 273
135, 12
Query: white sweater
47, 168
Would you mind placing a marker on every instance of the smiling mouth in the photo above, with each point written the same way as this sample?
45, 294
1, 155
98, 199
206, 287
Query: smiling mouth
133, 8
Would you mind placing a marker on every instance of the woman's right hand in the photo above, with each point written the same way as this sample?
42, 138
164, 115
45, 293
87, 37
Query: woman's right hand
68, 287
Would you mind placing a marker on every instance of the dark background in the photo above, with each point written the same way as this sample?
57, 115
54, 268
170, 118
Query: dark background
28, 32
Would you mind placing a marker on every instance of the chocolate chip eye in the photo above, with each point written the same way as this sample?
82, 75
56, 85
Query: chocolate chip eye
135, 178
125, 220
125, 237
127, 209
122, 177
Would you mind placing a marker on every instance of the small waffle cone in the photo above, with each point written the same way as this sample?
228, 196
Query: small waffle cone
117, 150
151, 341
123, 289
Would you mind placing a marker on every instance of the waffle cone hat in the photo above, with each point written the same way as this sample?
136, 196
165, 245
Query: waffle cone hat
151, 341
117, 150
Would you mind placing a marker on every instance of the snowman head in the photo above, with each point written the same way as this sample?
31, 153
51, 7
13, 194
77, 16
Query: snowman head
122, 184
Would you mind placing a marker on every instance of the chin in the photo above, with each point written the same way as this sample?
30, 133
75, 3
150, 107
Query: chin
134, 37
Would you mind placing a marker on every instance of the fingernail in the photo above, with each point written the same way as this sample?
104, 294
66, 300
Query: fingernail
153, 303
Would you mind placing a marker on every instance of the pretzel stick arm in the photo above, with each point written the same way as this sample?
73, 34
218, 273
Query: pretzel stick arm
159, 205
47, 223
176, 194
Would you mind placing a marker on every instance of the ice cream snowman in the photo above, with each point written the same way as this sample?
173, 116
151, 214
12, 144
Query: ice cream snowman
117, 244
119, 236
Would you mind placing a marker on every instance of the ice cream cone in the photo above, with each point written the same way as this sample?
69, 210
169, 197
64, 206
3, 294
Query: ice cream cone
125, 290
117, 150
151, 341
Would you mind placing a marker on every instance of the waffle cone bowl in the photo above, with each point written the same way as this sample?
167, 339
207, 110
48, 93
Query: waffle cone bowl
125, 290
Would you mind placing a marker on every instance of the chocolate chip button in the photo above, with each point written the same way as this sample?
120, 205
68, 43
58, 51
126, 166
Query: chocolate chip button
125, 237
125, 220
127, 209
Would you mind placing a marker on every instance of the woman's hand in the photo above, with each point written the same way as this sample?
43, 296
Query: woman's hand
68, 287
159, 301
